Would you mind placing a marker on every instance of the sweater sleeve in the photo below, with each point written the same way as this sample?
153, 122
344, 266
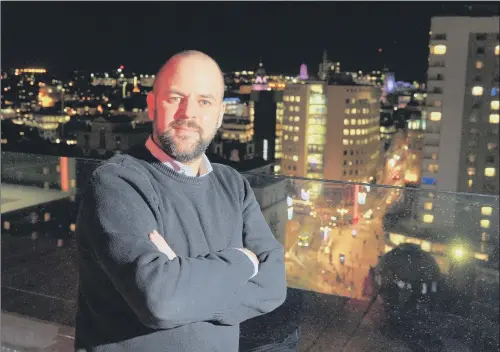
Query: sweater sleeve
267, 290
119, 214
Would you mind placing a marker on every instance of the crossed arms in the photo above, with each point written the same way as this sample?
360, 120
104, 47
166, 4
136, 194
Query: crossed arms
118, 214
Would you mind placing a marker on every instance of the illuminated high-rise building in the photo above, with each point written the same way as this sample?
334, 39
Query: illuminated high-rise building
460, 152
353, 149
329, 131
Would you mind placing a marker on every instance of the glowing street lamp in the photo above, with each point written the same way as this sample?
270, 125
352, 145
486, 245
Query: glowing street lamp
458, 253
342, 212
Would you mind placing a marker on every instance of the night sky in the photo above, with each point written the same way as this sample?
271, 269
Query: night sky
141, 36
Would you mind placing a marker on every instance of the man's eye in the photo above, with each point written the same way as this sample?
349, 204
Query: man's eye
205, 102
174, 99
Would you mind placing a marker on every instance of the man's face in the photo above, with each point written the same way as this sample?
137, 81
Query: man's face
187, 107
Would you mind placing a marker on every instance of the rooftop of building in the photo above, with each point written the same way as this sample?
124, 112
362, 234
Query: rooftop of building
344, 79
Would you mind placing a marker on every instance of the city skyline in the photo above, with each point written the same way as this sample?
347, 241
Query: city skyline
99, 37
382, 191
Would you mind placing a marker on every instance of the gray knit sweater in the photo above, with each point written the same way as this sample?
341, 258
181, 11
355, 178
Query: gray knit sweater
131, 297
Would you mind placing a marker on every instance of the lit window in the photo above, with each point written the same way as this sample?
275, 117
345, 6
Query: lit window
494, 118
433, 168
469, 183
479, 65
489, 172
486, 211
296, 129
494, 105
346, 121
497, 50
428, 206
471, 171
477, 91
295, 158
297, 99
428, 218
485, 223
347, 111
353, 121
435, 116
345, 141
286, 98
295, 138
297, 118
297, 108
346, 132
438, 49
292, 99
353, 111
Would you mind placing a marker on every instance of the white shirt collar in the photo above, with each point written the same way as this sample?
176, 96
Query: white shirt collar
167, 160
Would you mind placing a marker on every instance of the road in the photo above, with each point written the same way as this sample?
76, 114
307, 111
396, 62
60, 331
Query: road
318, 266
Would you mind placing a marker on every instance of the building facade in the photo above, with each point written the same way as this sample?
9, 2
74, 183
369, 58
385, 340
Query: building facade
329, 131
461, 138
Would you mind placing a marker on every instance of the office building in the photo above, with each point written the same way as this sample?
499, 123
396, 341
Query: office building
329, 131
353, 149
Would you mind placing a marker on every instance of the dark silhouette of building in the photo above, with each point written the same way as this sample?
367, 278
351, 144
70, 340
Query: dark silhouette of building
265, 122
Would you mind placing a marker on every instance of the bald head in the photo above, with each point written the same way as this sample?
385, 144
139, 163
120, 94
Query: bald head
193, 60
187, 105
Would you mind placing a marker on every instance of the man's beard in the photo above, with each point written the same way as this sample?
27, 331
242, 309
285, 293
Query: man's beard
189, 152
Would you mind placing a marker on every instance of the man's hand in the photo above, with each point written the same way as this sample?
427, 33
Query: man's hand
251, 255
162, 245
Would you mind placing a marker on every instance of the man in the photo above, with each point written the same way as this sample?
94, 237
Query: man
174, 253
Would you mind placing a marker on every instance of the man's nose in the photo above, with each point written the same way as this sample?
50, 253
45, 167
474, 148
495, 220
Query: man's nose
188, 109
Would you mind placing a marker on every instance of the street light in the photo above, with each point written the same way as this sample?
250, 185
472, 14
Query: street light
342, 212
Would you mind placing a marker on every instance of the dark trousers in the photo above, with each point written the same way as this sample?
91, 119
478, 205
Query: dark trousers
290, 344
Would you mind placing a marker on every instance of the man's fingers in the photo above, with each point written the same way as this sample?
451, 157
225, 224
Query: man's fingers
161, 244
156, 238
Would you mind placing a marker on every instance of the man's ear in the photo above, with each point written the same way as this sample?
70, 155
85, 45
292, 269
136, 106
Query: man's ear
151, 105
221, 116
